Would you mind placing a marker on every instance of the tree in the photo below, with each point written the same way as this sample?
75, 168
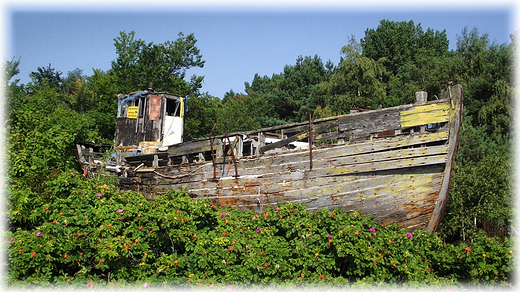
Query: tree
41, 136
399, 42
487, 70
244, 113
481, 185
357, 82
261, 85
481, 189
413, 56
100, 106
139, 63
229, 94
14, 93
203, 112
46, 76
294, 92
10, 70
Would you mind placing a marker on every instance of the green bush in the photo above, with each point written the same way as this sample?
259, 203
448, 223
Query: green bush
88, 233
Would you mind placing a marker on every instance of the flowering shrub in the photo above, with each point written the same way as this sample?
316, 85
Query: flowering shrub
88, 233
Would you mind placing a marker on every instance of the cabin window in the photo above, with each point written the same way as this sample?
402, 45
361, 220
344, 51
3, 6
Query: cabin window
123, 108
172, 107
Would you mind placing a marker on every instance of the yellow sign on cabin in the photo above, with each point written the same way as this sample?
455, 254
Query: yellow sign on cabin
132, 112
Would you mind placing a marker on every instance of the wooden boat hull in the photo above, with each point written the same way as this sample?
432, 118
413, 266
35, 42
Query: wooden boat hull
402, 177
394, 186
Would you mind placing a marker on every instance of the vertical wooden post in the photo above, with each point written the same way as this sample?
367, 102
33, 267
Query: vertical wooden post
137, 120
155, 161
118, 157
310, 141
232, 155
261, 142
239, 146
220, 148
212, 151
422, 98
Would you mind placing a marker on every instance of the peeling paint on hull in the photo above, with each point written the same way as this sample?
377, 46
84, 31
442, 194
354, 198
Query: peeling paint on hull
402, 177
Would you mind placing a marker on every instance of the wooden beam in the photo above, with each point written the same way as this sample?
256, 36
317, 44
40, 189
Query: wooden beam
317, 129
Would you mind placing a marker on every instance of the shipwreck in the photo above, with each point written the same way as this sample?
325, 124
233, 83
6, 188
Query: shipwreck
393, 164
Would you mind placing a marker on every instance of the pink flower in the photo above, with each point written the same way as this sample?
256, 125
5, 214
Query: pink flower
223, 215
372, 230
276, 209
120, 210
99, 195
39, 234
330, 236
229, 288
122, 192
258, 230
10, 240
145, 286
409, 235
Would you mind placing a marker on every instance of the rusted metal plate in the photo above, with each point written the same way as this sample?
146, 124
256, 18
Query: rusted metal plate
155, 108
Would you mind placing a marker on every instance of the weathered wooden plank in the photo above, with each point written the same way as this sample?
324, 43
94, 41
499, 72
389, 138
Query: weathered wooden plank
330, 136
289, 182
143, 157
384, 207
427, 108
196, 147
253, 197
379, 166
297, 182
343, 150
193, 147
455, 93
323, 167
303, 182
325, 120
425, 114
411, 206
357, 192
317, 129
420, 222
287, 163
370, 122
389, 119
296, 129
338, 161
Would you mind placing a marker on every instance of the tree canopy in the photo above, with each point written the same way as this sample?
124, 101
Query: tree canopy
384, 68
138, 63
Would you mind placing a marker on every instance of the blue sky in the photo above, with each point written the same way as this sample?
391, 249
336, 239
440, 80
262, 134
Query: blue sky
235, 43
